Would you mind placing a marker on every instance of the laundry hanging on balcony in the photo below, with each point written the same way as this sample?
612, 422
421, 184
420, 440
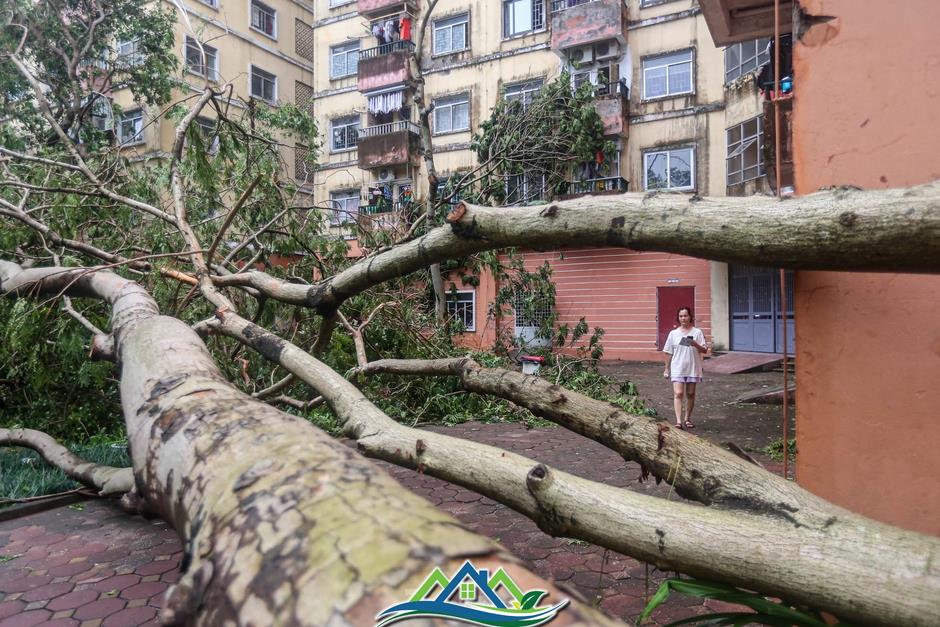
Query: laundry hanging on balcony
385, 103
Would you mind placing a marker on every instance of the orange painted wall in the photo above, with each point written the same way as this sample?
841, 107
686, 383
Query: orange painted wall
867, 113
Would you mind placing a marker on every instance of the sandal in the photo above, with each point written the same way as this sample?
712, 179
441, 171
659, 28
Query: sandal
678, 425
689, 425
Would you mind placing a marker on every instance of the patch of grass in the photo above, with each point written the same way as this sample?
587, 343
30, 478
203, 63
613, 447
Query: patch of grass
774, 450
24, 474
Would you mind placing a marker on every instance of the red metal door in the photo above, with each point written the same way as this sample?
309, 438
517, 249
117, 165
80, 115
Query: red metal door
668, 301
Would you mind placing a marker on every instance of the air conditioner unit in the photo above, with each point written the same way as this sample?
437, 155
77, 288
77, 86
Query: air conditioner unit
386, 174
607, 50
581, 56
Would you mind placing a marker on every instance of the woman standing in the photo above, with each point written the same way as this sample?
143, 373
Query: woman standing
684, 349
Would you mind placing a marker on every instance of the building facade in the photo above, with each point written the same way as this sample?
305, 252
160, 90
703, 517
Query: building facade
263, 49
684, 116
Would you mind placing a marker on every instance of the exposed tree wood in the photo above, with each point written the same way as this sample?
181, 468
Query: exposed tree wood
107, 480
282, 524
839, 564
896, 230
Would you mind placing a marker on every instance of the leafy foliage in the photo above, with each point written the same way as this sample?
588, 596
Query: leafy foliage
765, 612
543, 138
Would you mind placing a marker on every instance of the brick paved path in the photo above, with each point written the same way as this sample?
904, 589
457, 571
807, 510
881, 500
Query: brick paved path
97, 566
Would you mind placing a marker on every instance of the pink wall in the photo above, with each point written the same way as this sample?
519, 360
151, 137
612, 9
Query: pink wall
615, 289
867, 113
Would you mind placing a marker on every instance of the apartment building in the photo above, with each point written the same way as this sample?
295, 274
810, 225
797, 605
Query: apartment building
263, 49
684, 115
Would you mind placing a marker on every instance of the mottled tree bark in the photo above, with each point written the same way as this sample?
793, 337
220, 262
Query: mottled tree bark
855, 567
107, 480
895, 230
282, 524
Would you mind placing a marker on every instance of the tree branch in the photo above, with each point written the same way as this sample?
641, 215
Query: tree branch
895, 230
106, 480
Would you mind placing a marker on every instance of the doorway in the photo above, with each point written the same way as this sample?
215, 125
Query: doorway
756, 319
668, 301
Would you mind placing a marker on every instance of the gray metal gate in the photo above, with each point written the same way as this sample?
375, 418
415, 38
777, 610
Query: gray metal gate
756, 320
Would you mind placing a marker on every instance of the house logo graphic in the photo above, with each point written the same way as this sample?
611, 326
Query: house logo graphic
517, 609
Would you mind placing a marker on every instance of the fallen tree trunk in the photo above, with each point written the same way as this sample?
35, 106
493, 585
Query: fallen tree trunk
282, 524
895, 230
698, 469
857, 568
107, 480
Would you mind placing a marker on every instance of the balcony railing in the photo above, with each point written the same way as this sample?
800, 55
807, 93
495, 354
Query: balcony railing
611, 184
401, 45
561, 5
619, 88
388, 129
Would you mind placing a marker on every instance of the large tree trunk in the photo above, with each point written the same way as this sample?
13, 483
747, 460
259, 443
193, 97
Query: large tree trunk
282, 524
894, 230
855, 567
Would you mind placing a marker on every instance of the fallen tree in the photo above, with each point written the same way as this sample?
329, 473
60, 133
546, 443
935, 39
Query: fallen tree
282, 524
285, 525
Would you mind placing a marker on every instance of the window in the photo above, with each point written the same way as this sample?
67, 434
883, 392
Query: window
670, 169
524, 188
461, 306
194, 62
667, 75
209, 131
523, 16
745, 151
344, 207
263, 84
523, 92
746, 56
345, 133
131, 129
344, 60
129, 52
531, 309
450, 35
212, 3
452, 114
263, 18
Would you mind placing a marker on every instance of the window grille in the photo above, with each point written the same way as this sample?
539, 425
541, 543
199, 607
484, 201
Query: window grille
344, 133
263, 18
462, 307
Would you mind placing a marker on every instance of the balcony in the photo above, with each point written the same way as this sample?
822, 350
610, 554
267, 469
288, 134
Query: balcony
609, 185
388, 218
390, 144
373, 9
584, 22
612, 104
385, 65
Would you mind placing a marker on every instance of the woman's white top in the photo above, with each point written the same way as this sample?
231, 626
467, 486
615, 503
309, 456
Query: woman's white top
686, 360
